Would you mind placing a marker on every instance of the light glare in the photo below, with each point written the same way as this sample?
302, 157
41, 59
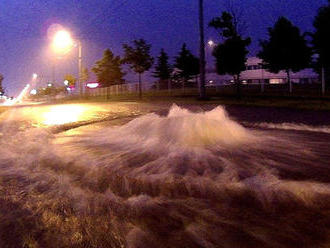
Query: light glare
62, 42
92, 85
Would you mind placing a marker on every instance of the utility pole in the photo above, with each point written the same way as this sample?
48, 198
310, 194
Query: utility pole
80, 68
323, 81
202, 93
53, 70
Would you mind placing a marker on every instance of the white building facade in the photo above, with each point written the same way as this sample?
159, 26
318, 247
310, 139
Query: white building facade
256, 74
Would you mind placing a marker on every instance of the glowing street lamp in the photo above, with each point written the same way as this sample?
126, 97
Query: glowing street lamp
62, 43
34, 76
211, 43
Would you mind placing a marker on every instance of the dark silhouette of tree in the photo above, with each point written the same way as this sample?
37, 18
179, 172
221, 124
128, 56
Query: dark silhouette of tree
84, 75
139, 58
321, 40
71, 79
231, 54
108, 69
163, 70
2, 90
186, 65
225, 24
285, 50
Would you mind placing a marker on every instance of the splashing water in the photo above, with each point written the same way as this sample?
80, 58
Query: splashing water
181, 180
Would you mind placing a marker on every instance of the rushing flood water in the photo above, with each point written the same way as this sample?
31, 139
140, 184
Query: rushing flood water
181, 180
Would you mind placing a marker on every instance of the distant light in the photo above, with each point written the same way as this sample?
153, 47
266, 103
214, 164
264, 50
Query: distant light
33, 92
49, 85
68, 89
66, 82
211, 43
92, 85
12, 101
34, 76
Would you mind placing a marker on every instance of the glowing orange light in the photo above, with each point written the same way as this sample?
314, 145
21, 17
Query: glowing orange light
62, 42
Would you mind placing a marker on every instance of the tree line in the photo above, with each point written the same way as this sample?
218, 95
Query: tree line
285, 49
108, 69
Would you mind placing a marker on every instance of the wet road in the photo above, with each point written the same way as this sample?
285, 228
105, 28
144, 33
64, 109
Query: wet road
148, 175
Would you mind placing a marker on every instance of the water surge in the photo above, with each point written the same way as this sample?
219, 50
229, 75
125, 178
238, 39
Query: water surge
180, 180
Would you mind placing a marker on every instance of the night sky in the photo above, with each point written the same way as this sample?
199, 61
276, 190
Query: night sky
101, 24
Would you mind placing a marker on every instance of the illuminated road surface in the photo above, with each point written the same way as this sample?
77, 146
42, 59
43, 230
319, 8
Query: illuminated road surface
143, 175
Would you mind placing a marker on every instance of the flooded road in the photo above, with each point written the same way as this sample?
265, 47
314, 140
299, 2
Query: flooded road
142, 175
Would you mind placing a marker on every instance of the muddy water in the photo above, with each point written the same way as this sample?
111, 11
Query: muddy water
179, 180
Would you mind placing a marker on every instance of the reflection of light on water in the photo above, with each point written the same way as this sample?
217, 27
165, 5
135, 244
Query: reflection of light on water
62, 114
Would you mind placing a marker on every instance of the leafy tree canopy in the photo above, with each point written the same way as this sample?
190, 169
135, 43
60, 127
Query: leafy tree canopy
108, 69
225, 24
187, 64
84, 75
286, 49
138, 56
71, 79
2, 90
231, 55
163, 68
321, 36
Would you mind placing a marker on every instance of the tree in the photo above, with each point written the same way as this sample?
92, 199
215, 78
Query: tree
2, 90
187, 65
71, 80
139, 58
84, 75
163, 69
285, 50
231, 54
108, 69
321, 41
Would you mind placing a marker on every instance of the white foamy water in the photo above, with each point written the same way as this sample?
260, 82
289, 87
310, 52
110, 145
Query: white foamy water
181, 180
291, 126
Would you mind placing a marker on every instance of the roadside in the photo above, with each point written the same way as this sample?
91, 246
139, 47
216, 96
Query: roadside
254, 101
3, 109
314, 113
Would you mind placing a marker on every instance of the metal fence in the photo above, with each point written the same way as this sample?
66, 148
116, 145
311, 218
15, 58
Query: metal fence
312, 90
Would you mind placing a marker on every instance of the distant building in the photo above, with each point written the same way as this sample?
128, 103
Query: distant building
256, 74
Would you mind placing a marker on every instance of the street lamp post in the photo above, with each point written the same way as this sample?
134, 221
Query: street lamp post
323, 80
80, 68
62, 44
